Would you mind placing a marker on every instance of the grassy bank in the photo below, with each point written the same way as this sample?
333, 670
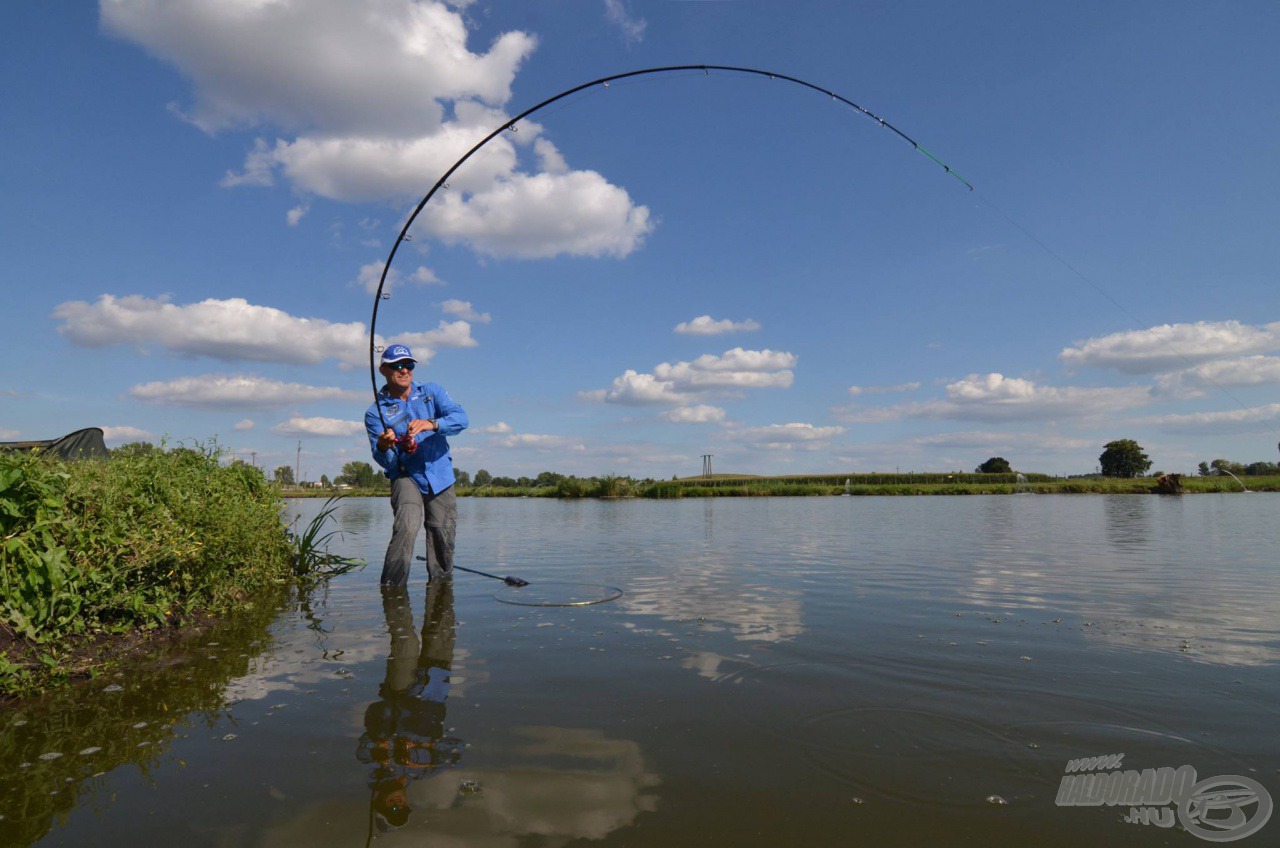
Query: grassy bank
938, 484
92, 553
835, 484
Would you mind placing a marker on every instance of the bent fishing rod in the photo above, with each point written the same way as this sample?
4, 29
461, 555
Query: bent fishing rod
510, 125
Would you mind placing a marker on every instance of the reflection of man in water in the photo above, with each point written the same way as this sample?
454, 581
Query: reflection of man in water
404, 731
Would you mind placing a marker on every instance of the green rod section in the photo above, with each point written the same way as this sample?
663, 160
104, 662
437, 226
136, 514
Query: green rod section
945, 166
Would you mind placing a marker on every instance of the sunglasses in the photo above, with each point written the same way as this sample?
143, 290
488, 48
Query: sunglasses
400, 366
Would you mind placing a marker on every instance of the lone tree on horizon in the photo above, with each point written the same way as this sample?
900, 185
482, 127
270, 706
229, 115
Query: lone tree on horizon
994, 465
1124, 458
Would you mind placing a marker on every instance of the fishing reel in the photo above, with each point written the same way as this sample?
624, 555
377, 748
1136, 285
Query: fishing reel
407, 443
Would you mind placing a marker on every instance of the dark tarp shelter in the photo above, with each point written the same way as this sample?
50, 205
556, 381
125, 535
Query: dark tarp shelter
82, 444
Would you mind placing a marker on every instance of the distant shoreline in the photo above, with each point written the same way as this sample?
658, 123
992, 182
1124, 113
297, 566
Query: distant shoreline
726, 486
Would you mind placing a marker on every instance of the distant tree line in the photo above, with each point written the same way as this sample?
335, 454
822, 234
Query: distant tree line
1119, 458
1253, 469
484, 478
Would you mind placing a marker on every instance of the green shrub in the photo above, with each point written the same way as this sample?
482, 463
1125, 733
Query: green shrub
572, 487
611, 486
134, 540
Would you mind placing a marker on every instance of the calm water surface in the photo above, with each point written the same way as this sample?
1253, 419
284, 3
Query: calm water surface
816, 671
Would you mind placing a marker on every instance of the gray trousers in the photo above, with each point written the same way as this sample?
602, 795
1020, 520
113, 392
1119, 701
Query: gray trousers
438, 513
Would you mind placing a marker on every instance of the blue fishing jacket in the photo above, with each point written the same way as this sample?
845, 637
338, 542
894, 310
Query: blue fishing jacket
430, 466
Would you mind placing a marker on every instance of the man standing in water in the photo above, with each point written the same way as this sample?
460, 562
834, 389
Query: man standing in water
408, 441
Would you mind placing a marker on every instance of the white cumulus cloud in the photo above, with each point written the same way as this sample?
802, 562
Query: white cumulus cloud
854, 391
382, 66
120, 435
374, 101
1251, 419
538, 442
632, 388
231, 329
793, 436
1171, 347
705, 325
682, 383
237, 391
500, 427
1243, 371
426, 277
995, 397
463, 309
736, 368
447, 334
245, 424
301, 426
700, 414
542, 215
356, 169
371, 274
631, 28
236, 330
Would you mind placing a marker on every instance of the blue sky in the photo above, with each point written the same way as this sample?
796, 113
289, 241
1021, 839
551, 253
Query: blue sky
194, 196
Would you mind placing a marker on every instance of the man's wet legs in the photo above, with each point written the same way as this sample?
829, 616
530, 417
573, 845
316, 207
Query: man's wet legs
442, 523
406, 504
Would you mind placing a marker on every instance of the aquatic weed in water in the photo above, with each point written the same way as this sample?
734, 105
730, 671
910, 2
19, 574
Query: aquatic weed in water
312, 559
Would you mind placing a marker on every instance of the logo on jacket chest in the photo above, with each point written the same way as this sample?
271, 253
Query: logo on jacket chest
403, 407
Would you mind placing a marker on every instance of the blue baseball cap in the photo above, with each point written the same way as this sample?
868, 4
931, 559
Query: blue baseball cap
395, 353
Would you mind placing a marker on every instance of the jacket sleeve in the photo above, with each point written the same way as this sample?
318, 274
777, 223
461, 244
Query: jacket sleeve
373, 425
452, 419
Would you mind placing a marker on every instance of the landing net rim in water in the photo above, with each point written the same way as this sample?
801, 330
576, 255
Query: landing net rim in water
522, 596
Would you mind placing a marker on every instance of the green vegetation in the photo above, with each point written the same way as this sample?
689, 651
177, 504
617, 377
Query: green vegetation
741, 485
549, 485
1240, 469
934, 484
311, 558
1124, 458
145, 540
995, 465
362, 475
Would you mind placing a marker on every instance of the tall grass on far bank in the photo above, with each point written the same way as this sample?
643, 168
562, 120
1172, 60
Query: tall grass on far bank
134, 542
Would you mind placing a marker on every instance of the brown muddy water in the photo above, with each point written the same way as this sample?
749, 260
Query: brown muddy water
809, 671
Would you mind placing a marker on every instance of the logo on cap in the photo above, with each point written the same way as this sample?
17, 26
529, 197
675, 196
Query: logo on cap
395, 353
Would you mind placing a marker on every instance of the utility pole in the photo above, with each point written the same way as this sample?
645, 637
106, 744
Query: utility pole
254, 456
706, 464
297, 467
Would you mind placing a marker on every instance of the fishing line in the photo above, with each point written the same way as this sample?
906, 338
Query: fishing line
1204, 375
560, 595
